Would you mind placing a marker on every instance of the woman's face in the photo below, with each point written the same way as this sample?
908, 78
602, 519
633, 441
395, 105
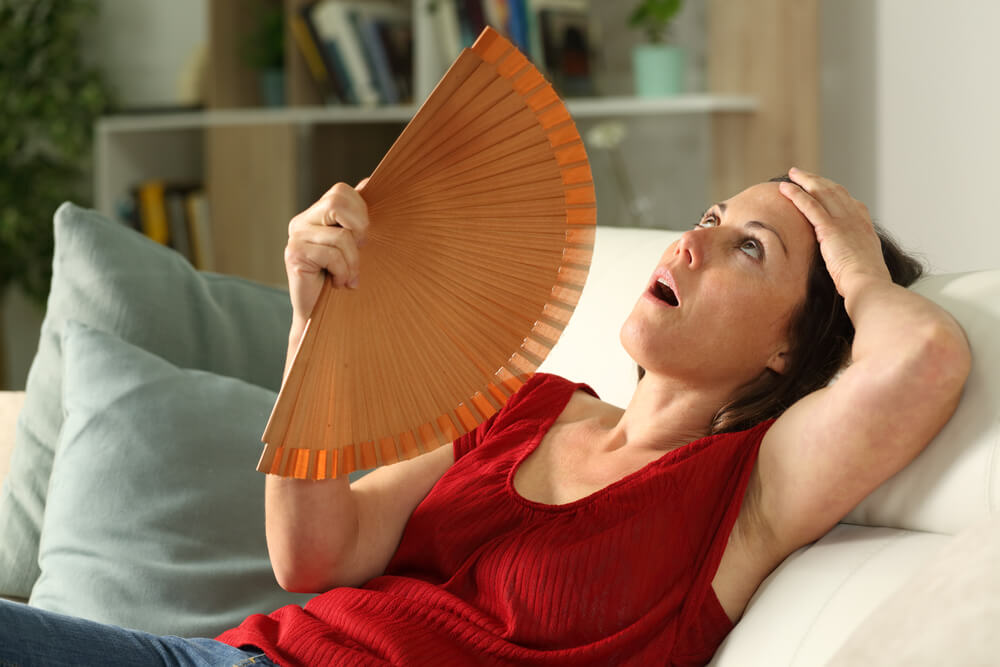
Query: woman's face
716, 310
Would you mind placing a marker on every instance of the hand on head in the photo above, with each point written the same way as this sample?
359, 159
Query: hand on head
847, 239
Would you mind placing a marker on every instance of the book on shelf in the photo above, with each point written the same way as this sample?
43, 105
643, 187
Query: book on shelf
174, 215
555, 34
361, 45
361, 51
311, 49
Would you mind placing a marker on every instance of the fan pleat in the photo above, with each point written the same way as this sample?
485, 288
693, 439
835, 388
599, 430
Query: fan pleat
482, 227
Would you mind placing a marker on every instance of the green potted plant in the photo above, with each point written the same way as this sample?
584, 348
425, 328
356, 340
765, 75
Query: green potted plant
264, 51
658, 67
49, 102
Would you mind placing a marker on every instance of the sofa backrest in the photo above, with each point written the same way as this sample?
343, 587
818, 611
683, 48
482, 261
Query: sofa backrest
952, 485
10, 406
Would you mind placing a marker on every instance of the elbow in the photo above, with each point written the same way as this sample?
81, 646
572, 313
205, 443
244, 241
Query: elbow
300, 579
943, 360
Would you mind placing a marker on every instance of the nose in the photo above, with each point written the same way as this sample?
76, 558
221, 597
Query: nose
690, 248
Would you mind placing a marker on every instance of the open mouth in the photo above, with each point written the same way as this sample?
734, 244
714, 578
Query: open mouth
662, 291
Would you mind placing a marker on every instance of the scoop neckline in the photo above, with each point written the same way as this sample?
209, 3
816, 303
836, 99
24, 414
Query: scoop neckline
545, 424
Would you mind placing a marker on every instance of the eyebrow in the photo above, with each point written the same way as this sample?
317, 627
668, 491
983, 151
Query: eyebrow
758, 225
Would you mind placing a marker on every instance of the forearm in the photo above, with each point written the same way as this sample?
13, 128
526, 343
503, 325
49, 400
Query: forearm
897, 328
312, 531
311, 526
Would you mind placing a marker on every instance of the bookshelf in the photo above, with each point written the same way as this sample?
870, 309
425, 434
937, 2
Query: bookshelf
260, 165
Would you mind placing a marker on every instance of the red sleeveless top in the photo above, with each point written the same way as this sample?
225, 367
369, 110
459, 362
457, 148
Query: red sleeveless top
483, 576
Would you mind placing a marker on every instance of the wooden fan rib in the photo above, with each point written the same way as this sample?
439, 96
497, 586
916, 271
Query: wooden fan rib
419, 314
563, 133
514, 268
452, 81
480, 81
525, 144
491, 46
511, 293
487, 335
504, 239
501, 176
450, 401
486, 112
581, 197
396, 352
518, 143
284, 425
502, 123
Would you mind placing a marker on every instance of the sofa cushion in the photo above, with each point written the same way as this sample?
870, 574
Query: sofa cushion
10, 406
812, 602
947, 613
155, 513
112, 278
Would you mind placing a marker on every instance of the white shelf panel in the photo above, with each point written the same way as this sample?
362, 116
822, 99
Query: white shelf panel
653, 106
597, 107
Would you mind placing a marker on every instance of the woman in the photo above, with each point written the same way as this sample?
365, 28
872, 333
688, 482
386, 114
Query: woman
565, 530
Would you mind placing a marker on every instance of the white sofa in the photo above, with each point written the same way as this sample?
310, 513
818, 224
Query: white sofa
910, 576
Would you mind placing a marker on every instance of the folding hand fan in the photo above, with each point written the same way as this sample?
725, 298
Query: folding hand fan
482, 228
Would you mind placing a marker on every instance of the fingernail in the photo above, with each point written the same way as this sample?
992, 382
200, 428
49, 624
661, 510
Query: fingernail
354, 283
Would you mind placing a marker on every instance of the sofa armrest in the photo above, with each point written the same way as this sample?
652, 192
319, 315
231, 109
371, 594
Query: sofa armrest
10, 406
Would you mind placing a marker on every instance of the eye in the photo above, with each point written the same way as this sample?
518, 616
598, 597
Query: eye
708, 221
752, 247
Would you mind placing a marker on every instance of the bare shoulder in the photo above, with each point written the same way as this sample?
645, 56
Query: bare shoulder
583, 406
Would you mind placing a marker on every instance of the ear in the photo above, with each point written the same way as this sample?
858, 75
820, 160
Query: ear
779, 361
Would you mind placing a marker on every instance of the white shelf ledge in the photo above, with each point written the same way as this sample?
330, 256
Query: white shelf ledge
598, 107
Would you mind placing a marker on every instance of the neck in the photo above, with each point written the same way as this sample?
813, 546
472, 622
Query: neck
663, 414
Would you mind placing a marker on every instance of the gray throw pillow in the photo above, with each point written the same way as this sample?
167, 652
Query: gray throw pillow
114, 279
155, 512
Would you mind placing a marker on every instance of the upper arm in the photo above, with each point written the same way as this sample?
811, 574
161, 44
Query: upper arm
385, 498
836, 445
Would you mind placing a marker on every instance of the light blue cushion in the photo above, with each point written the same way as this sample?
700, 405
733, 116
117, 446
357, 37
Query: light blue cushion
114, 279
155, 513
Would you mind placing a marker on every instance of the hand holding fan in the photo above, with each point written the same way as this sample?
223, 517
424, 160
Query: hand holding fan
482, 227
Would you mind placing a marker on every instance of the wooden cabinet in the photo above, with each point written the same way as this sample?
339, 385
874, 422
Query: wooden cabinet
261, 166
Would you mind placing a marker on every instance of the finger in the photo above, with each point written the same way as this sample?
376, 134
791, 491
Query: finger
350, 210
334, 237
340, 205
312, 257
834, 197
813, 210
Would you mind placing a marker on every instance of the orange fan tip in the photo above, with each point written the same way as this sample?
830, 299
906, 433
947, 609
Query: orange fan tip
387, 450
429, 440
465, 417
267, 456
483, 405
408, 445
582, 195
491, 45
367, 454
448, 428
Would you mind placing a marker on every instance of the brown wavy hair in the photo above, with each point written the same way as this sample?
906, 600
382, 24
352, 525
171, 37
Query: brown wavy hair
820, 333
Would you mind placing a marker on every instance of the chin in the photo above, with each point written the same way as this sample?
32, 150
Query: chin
634, 337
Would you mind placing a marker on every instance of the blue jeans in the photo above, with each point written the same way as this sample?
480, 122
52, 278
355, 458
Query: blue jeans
31, 637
